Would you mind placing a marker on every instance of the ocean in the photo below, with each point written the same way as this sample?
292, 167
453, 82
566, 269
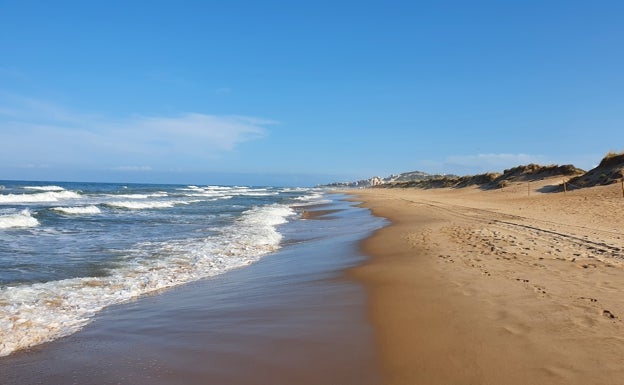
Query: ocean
70, 250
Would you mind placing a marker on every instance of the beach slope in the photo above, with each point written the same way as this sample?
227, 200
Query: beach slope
497, 287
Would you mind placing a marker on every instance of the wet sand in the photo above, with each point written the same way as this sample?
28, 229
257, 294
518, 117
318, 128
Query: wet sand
497, 287
317, 214
292, 318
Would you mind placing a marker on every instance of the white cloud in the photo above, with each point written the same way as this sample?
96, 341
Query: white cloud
30, 110
37, 131
192, 129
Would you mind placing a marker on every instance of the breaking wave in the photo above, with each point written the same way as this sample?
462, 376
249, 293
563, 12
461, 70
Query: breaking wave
44, 188
78, 210
21, 219
48, 196
140, 205
40, 312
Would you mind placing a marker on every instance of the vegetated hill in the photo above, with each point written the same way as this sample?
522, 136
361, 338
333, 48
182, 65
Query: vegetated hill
610, 170
524, 173
375, 181
532, 172
359, 183
408, 176
490, 180
441, 181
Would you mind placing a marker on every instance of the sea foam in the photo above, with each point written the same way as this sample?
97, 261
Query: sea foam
78, 210
40, 312
226, 192
141, 205
21, 219
44, 188
311, 200
48, 196
158, 194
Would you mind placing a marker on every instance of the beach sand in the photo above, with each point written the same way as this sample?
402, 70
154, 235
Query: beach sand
507, 286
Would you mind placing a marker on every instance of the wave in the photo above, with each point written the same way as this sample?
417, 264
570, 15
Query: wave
45, 188
159, 194
310, 200
307, 198
48, 196
219, 191
21, 219
209, 194
221, 198
139, 205
257, 194
88, 210
41, 312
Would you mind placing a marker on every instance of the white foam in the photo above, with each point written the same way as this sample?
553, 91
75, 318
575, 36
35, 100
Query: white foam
21, 219
134, 205
312, 203
48, 196
45, 188
232, 191
224, 197
219, 191
36, 313
159, 194
201, 193
129, 196
311, 200
256, 194
78, 210
307, 198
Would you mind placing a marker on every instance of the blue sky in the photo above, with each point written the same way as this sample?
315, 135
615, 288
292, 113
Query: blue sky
299, 93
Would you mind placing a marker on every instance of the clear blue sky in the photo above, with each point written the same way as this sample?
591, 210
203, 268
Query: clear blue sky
305, 92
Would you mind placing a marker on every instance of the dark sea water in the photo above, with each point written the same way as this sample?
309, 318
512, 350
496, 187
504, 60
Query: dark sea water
68, 250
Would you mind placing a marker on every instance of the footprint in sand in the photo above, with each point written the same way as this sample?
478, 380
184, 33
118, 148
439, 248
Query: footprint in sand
608, 314
446, 258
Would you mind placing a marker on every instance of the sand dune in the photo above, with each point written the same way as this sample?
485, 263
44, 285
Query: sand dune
504, 286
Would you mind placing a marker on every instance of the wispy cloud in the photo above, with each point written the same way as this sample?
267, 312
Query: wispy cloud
31, 110
39, 131
193, 130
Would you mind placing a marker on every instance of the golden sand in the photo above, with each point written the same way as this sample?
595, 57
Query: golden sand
497, 287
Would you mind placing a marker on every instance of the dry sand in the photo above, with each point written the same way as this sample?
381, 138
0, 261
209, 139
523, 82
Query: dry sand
497, 287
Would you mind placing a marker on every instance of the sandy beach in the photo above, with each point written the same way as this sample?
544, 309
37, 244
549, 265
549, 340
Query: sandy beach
508, 286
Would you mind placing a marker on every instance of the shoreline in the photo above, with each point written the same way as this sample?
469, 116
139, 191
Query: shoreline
469, 286
292, 317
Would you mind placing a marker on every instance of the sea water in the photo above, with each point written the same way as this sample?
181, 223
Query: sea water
68, 250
